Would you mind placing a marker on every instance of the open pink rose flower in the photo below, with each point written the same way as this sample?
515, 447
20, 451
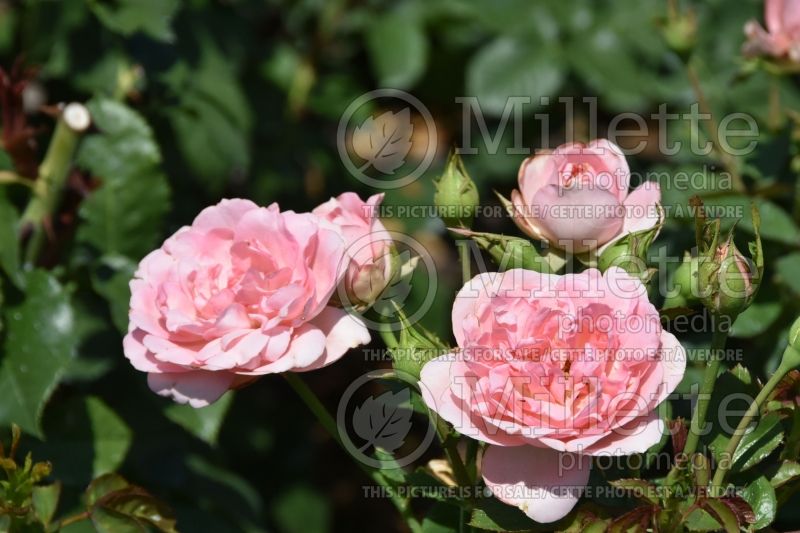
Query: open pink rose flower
551, 370
781, 39
368, 246
243, 291
576, 197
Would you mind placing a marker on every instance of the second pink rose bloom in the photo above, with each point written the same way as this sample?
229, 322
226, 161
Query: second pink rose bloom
576, 197
552, 370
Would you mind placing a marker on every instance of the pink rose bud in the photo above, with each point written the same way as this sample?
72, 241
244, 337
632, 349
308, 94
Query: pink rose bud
576, 198
781, 39
727, 280
552, 370
369, 265
244, 291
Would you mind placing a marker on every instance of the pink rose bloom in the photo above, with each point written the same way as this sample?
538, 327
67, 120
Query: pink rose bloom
551, 370
241, 292
576, 197
782, 37
368, 246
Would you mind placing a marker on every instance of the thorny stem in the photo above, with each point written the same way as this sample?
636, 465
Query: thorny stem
53, 173
703, 399
752, 411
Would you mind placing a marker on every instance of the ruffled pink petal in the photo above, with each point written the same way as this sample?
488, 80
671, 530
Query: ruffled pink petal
524, 221
578, 218
673, 361
197, 388
635, 437
534, 173
615, 165
543, 483
226, 214
343, 332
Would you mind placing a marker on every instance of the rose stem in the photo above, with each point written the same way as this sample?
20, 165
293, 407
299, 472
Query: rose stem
727, 456
463, 256
53, 174
327, 421
718, 339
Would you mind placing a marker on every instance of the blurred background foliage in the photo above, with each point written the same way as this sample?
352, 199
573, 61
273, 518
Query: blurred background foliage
197, 100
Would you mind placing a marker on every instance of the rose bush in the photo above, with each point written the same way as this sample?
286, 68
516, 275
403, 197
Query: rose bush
549, 365
576, 197
244, 291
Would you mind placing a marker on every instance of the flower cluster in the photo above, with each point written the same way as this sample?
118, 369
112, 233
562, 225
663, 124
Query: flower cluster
247, 290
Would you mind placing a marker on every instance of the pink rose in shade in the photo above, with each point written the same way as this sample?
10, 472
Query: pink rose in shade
576, 197
551, 370
781, 39
241, 292
368, 246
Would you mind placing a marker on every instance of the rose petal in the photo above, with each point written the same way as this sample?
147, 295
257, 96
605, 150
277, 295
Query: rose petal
197, 388
543, 483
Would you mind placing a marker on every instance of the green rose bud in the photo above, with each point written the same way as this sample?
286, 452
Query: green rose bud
791, 356
727, 280
507, 252
415, 347
680, 31
630, 252
684, 281
456, 196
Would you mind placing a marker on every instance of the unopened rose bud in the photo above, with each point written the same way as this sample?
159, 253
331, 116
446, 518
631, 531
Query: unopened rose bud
415, 347
456, 195
791, 356
684, 282
680, 31
369, 247
507, 252
728, 280
630, 252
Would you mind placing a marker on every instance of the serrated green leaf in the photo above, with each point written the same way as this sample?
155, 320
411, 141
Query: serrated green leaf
730, 398
722, 514
127, 17
40, 343
756, 319
131, 509
204, 423
45, 501
398, 49
512, 67
124, 216
104, 485
761, 496
787, 471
